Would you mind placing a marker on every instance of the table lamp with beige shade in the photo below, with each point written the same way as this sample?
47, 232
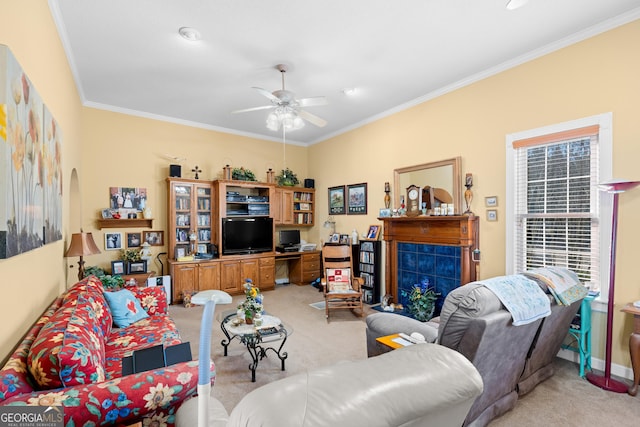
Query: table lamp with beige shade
82, 244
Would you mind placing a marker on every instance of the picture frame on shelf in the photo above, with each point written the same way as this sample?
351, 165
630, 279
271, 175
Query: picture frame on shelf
202, 248
492, 215
335, 238
113, 241
181, 252
357, 199
117, 268
153, 237
374, 232
137, 267
134, 240
385, 213
336, 200
491, 201
344, 239
106, 214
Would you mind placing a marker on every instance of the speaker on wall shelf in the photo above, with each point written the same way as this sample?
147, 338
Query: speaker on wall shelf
309, 183
175, 171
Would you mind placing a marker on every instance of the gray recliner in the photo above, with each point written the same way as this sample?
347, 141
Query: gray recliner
474, 323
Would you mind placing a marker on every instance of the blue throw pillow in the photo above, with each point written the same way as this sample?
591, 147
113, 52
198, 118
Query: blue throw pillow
125, 308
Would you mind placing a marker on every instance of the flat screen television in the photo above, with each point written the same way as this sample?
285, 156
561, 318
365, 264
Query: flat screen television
247, 235
289, 237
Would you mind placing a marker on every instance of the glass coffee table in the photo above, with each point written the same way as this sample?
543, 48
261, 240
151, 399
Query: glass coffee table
257, 340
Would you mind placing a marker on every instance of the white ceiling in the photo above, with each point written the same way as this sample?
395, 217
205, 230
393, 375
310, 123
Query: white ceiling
127, 56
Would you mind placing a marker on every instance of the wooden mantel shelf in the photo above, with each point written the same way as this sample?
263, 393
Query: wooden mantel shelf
125, 223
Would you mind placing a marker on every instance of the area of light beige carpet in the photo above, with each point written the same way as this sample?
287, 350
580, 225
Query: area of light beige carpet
563, 400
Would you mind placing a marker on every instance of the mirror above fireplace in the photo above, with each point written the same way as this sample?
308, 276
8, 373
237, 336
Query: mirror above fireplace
444, 174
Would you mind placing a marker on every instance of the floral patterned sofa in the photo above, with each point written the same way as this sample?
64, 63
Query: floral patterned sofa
72, 357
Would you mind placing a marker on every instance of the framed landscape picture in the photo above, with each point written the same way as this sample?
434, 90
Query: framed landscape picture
357, 199
336, 200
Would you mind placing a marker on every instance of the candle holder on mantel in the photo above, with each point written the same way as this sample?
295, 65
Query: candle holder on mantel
468, 194
387, 197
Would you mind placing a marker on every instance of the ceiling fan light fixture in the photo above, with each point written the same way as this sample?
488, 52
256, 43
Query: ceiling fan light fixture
515, 4
190, 34
286, 117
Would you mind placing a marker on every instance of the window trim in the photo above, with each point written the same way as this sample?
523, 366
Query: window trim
605, 141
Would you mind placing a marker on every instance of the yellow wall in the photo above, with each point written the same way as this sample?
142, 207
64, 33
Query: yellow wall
29, 282
595, 76
111, 149
127, 151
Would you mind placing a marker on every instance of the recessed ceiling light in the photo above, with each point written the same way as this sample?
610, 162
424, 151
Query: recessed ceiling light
190, 34
349, 90
515, 4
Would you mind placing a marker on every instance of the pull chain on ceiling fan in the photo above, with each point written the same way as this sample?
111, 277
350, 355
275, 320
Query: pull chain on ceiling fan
287, 112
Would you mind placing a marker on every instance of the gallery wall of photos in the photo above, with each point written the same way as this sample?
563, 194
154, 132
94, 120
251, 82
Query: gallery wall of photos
30, 164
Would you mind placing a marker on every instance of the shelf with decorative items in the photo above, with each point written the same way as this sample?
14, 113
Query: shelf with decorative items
303, 208
244, 198
294, 206
125, 223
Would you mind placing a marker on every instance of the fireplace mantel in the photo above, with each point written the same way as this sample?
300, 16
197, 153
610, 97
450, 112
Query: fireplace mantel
459, 231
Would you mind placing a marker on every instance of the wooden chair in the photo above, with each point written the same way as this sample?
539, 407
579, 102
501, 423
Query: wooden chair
341, 289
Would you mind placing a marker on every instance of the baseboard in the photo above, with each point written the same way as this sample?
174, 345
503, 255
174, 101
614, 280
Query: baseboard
598, 364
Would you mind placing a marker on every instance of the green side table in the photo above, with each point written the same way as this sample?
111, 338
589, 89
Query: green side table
580, 330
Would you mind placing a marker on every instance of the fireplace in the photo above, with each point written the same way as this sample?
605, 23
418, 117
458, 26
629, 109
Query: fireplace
437, 248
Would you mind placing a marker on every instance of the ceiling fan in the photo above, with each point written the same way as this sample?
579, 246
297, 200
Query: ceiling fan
287, 109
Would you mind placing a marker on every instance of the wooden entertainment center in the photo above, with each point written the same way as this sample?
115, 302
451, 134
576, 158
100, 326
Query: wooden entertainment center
196, 212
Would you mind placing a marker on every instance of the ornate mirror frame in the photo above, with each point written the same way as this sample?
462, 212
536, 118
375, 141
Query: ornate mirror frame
444, 174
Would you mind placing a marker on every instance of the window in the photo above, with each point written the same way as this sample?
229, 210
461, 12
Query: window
556, 214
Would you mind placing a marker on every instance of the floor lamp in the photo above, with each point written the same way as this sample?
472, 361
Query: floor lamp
605, 381
199, 411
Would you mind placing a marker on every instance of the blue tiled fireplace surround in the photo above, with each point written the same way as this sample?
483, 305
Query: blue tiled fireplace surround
438, 263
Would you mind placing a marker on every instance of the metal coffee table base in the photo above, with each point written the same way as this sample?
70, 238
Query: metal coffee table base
256, 344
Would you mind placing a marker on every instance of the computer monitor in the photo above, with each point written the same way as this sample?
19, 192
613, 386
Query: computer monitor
289, 237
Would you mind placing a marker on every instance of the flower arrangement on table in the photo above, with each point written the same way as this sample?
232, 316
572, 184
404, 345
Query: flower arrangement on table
252, 305
422, 301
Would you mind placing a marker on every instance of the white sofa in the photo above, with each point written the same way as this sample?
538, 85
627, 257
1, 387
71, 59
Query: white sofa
421, 385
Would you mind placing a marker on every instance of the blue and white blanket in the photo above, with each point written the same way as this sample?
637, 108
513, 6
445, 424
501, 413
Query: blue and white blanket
521, 296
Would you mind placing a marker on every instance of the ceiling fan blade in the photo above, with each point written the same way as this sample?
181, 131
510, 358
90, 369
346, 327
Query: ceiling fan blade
267, 94
264, 107
313, 101
312, 118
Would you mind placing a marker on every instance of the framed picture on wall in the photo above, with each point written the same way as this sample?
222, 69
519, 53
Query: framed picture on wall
134, 240
357, 199
113, 241
336, 200
154, 238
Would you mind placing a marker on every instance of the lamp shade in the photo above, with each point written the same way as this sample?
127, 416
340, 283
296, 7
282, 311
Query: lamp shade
82, 244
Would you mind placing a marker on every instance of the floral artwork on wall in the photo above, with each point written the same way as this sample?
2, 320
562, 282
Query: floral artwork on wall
31, 172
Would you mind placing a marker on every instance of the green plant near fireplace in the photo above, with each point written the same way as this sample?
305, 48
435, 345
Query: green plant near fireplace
422, 301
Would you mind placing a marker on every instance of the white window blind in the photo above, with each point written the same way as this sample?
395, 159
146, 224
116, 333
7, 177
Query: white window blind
556, 217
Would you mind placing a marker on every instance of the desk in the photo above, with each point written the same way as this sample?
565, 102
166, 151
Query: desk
634, 347
304, 267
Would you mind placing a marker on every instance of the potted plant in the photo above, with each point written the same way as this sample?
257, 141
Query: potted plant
108, 281
287, 178
422, 301
242, 174
252, 305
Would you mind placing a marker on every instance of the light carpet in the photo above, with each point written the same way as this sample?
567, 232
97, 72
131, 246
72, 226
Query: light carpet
563, 400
